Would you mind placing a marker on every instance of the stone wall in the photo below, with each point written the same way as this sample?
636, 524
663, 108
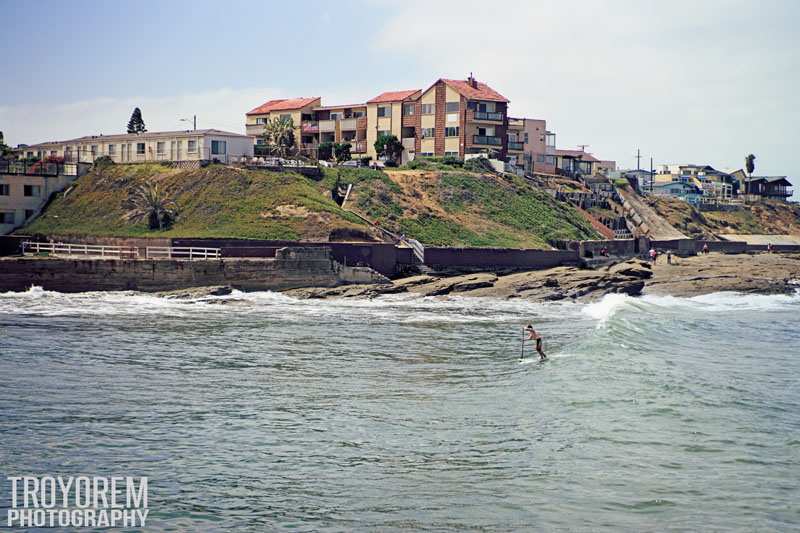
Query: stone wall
291, 268
498, 258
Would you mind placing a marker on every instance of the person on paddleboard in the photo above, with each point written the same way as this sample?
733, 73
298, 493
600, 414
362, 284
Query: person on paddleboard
533, 335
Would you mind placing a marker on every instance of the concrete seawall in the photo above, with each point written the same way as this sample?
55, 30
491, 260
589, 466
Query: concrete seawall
291, 268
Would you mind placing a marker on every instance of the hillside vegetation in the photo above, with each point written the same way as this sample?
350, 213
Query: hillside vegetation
459, 208
769, 217
215, 201
448, 208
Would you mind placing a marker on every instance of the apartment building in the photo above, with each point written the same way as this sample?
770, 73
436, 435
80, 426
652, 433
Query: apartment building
26, 187
173, 146
530, 146
450, 117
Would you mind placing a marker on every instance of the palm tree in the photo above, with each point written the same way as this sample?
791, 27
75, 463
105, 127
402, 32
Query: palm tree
149, 202
279, 135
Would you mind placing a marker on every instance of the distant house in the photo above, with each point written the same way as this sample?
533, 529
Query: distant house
771, 187
681, 190
575, 162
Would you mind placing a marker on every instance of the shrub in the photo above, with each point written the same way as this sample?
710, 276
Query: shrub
342, 151
103, 161
452, 161
325, 151
478, 164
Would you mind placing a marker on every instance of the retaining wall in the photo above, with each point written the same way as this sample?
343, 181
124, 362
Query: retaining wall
384, 257
498, 257
291, 268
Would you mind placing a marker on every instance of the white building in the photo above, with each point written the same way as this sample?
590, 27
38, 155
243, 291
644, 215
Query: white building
173, 146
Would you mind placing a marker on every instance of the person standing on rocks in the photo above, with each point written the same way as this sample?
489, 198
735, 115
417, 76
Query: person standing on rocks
533, 335
653, 255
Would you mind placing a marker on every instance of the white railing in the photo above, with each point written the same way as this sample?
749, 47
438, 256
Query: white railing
67, 249
187, 253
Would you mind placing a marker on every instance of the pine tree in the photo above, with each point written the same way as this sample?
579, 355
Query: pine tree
136, 123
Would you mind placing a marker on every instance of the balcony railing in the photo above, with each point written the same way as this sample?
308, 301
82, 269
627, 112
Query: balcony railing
309, 127
347, 124
487, 139
327, 125
513, 145
484, 115
28, 168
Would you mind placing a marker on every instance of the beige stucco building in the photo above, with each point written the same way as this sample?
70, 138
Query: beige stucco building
173, 146
25, 188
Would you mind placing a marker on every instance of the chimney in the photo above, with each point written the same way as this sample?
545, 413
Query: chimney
472, 81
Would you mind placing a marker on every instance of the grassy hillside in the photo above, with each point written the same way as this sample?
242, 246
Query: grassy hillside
769, 217
215, 201
459, 208
455, 208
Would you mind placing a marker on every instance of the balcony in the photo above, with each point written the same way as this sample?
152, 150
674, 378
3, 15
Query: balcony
358, 147
518, 146
309, 127
327, 125
361, 123
254, 129
484, 115
348, 124
487, 140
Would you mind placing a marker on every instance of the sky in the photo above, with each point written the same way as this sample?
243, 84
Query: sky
683, 81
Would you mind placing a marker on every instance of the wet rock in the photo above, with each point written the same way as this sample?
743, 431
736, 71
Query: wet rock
196, 292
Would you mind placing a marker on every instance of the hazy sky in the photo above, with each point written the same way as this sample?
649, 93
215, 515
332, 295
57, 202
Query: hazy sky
701, 81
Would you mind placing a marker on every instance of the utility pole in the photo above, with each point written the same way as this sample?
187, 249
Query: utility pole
638, 159
583, 147
652, 175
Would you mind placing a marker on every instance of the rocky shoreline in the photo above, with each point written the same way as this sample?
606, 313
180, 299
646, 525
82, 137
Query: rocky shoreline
691, 276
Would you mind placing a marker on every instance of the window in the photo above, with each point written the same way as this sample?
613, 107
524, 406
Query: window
94, 149
428, 132
384, 111
191, 146
336, 116
358, 114
487, 107
6, 217
486, 131
261, 141
540, 158
525, 140
451, 107
451, 154
139, 148
451, 132
408, 109
384, 132
29, 213
5, 189
261, 120
428, 109
219, 147
32, 190
512, 137
112, 149
161, 147
426, 154
53, 153
286, 116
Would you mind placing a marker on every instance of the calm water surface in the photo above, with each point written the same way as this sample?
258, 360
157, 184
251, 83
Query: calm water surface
260, 412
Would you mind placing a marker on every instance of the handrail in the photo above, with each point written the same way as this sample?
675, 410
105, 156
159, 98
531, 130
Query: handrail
189, 253
70, 249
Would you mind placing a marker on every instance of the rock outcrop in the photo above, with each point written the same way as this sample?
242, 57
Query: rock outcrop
540, 285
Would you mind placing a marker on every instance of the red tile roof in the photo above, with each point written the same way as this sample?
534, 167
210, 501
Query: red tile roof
393, 96
585, 156
481, 92
283, 104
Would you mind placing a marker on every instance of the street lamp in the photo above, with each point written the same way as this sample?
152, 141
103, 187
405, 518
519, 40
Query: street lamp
193, 120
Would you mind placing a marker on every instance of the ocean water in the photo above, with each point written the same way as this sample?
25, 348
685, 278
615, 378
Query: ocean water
260, 412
